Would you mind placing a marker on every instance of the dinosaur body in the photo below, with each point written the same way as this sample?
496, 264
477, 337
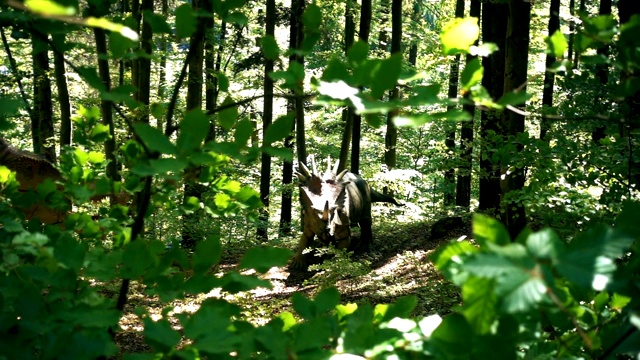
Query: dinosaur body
333, 203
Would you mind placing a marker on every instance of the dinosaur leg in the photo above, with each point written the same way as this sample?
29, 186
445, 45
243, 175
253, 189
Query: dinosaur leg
298, 262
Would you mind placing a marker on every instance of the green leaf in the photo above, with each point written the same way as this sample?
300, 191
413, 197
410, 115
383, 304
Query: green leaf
137, 258
264, 258
154, 139
489, 265
244, 130
519, 291
451, 252
235, 283
228, 116
479, 304
106, 24
47, 7
627, 220
489, 230
160, 335
358, 52
312, 18
514, 98
386, 76
158, 22
303, 306
70, 252
458, 35
270, 47
193, 130
327, 300
545, 244
556, 44
207, 254
451, 339
185, 21
238, 18
402, 307
119, 45
281, 128
472, 74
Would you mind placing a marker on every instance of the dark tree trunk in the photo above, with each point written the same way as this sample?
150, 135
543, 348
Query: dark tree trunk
212, 67
516, 62
144, 63
391, 136
576, 55
463, 184
348, 113
295, 39
494, 26
42, 128
190, 235
365, 29
63, 92
267, 117
164, 49
572, 29
450, 140
549, 77
602, 73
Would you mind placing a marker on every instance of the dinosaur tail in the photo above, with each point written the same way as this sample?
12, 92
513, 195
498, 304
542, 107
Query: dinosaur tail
379, 197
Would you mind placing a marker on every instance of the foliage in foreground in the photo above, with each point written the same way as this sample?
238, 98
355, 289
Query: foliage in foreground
537, 297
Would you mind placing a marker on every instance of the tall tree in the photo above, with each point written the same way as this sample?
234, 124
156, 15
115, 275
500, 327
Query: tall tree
463, 183
295, 38
572, 29
267, 118
494, 26
348, 113
63, 90
365, 29
515, 79
549, 76
42, 127
450, 140
144, 62
602, 73
194, 102
391, 136
213, 64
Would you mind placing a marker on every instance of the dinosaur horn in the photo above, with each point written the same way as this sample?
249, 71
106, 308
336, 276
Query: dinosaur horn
342, 173
325, 212
301, 176
328, 174
335, 167
305, 170
313, 165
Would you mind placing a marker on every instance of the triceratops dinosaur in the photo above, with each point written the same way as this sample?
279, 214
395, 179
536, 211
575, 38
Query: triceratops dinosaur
331, 205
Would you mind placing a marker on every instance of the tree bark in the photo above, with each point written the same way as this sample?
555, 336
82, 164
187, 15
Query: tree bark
267, 117
602, 74
63, 92
494, 26
365, 29
549, 77
450, 140
144, 63
348, 113
516, 63
42, 127
391, 136
463, 184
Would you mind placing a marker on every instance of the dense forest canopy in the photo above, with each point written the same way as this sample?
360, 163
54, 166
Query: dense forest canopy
172, 153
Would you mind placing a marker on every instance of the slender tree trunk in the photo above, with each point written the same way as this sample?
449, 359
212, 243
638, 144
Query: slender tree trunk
549, 77
516, 63
190, 235
494, 26
265, 167
572, 29
602, 73
211, 61
365, 29
348, 113
164, 49
463, 184
391, 136
42, 128
631, 105
576, 56
63, 92
144, 63
450, 140
295, 39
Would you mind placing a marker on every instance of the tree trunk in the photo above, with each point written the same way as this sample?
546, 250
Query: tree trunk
572, 29
42, 127
63, 92
267, 117
450, 140
516, 63
212, 67
549, 77
391, 136
194, 101
365, 29
348, 113
463, 184
295, 38
494, 26
602, 74
144, 64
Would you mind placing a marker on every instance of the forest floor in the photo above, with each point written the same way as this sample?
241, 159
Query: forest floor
397, 266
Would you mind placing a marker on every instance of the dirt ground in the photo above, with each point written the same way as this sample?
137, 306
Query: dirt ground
397, 266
